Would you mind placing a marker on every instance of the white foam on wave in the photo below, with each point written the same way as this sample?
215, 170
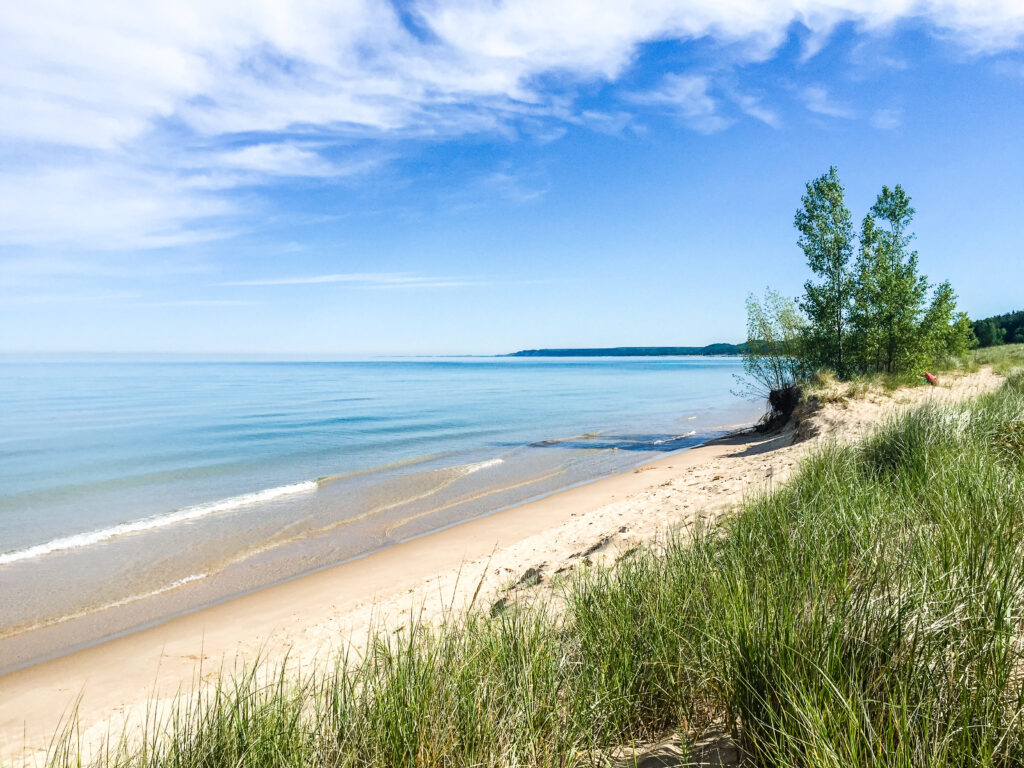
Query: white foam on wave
469, 469
135, 598
691, 433
157, 521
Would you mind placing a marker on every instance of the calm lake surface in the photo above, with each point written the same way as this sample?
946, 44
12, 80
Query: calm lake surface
132, 491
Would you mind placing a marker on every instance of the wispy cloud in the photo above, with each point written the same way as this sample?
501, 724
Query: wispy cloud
289, 158
117, 298
427, 284
817, 99
70, 298
1009, 67
513, 187
106, 206
887, 119
365, 279
815, 41
195, 303
47, 268
141, 117
753, 106
871, 55
689, 97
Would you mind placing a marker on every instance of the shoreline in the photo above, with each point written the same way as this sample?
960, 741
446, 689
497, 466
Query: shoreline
490, 558
165, 653
54, 639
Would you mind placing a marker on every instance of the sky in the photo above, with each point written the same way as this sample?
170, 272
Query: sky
320, 179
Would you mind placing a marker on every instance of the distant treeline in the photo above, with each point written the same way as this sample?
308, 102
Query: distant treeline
710, 349
1000, 329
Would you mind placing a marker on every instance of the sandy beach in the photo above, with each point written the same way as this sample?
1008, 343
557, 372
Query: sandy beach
497, 557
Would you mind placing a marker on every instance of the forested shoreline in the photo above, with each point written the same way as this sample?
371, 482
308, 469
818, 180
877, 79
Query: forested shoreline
1007, 328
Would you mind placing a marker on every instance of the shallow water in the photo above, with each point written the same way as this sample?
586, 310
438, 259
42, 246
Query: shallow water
133, 491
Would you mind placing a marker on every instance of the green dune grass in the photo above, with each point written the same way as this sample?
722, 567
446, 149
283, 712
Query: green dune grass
1003, 359
867, 612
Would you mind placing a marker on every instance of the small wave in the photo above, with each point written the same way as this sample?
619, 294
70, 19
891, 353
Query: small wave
104, 607
328, 479
571, 438
446, 477
158, 521
392, 527
469, 469
691, 433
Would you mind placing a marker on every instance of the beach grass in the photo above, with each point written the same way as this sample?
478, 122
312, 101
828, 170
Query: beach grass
825, 387
869, 611
1004, 359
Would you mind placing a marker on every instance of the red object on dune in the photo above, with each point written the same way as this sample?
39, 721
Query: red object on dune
931, 379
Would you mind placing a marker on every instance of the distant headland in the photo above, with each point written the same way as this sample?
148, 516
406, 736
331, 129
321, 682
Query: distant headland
710, 349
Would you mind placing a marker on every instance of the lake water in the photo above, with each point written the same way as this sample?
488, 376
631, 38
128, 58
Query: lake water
132, 491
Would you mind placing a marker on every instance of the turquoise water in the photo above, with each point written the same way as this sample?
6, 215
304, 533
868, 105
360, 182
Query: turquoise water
165, 486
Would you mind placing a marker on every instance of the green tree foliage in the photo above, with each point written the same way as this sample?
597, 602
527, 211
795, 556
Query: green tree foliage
944, 332
889, 292
874, 316
1000, 329
871, 316
989, 333
774, 360
865, 323
826, 238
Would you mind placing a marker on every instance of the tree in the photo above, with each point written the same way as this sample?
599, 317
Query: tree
889, 291
944, 332
865, 324
873, 316
826, 238
1007, 328
773, 361
989, 333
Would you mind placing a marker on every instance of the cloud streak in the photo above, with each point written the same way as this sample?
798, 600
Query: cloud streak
689, 97
887, 119
362, 279
818, 100
156, 111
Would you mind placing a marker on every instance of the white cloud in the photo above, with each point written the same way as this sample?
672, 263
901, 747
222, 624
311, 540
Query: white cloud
817, 99
102, 73
516, 187
815, 42
753, 106
106, 206
983, 27
687, 96
887, 119
872, 55
282, 159
258, 163
124, 81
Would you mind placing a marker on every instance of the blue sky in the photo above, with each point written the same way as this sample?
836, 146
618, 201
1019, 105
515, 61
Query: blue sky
318, 179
